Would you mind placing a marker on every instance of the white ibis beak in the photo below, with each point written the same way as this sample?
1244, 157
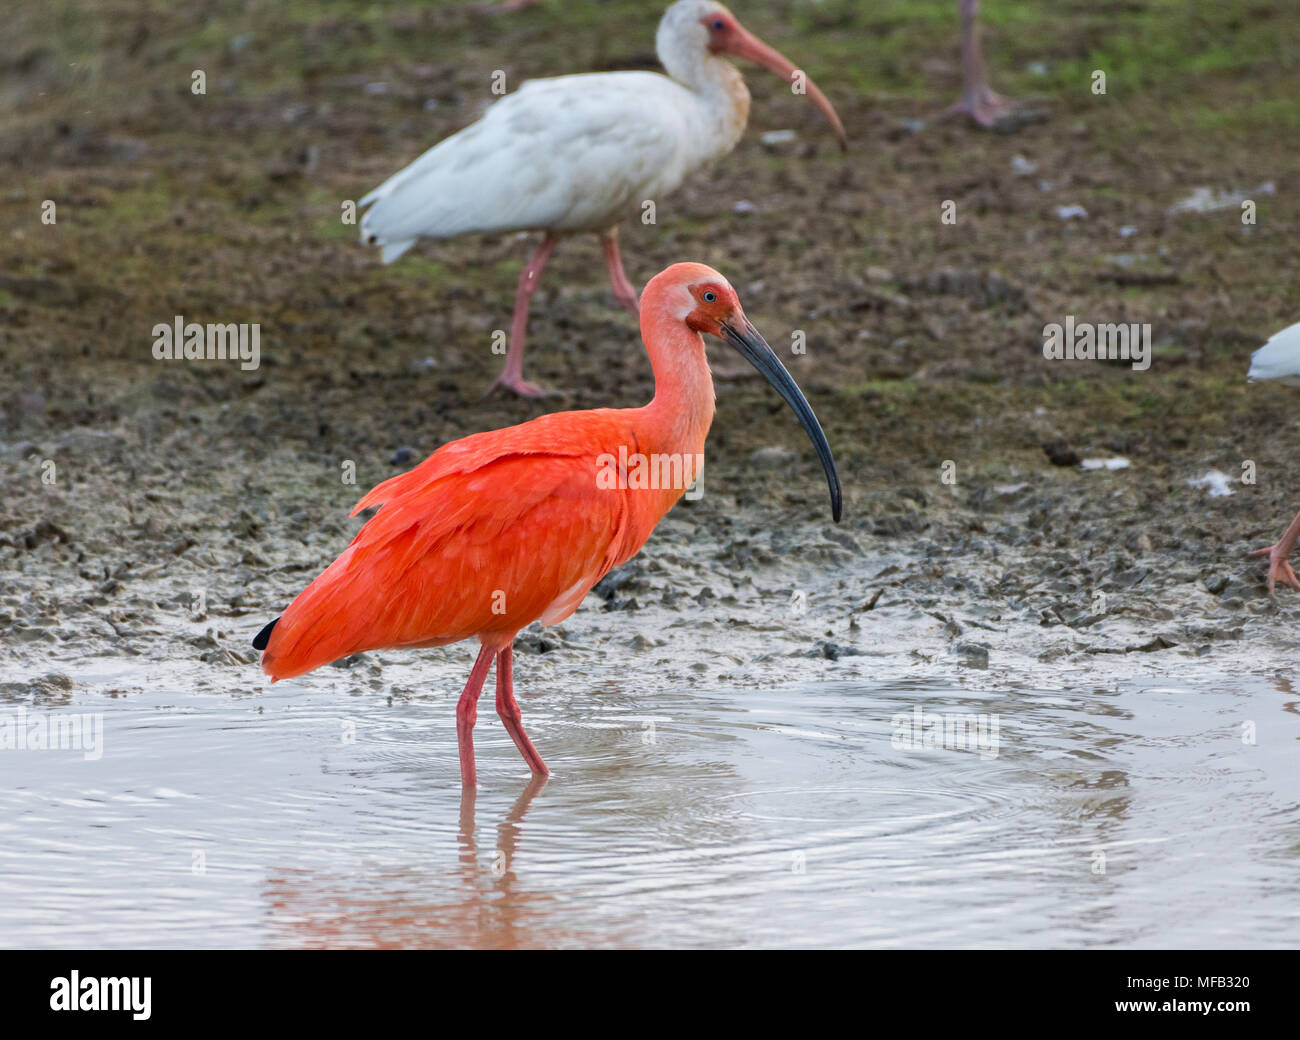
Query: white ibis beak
744, 44
750, 344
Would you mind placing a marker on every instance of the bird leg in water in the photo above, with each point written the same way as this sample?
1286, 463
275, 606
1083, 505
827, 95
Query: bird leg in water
624, 293
1278, 567
467, 713
508, 709
977, 100
512, 376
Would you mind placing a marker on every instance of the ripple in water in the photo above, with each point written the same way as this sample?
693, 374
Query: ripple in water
1136, 815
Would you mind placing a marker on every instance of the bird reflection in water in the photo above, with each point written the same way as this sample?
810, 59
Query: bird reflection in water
481, 903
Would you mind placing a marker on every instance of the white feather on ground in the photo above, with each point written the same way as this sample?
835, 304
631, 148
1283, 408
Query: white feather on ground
1279, 358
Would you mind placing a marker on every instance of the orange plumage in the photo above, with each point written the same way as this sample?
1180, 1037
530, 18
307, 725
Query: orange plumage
501, 529
486, 536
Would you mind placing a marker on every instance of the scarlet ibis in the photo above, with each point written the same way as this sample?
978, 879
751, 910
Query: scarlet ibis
500, 529
581, 153
1279, 359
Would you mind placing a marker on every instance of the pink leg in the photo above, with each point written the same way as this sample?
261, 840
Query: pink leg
508, 709
512, 376
1278, 568
467, 713
624, 293
977, 100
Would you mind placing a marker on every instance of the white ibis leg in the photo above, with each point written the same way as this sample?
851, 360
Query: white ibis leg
1278, 567
624, 293
512, 376
977, 100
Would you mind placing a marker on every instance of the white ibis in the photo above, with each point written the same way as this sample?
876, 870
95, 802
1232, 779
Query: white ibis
1279, 360
581, 153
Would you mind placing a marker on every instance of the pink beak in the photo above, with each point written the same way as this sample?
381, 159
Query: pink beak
744, 44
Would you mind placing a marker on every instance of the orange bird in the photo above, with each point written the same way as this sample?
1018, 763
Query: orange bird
500, 529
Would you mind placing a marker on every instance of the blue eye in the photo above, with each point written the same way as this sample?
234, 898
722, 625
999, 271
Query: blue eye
717, 25
709, 297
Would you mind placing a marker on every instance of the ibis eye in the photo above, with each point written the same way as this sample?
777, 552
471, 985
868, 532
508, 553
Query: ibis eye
718, 25
709, 297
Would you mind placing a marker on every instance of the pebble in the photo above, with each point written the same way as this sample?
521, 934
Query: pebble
972, 655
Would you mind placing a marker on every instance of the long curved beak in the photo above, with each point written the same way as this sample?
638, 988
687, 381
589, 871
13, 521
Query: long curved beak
754, 349
744, 44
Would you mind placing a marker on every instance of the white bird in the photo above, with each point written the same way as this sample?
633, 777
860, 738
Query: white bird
978, 100
582, 153
1279, 360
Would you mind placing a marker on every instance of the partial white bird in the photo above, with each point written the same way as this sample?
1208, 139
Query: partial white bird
978, 100
582, 153
1279, 360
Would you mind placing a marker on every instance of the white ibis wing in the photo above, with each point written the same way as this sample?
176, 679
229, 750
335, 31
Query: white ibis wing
565, 154
1279, 358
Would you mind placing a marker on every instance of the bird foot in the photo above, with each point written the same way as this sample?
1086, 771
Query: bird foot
1278, 568
517, 385
992, 111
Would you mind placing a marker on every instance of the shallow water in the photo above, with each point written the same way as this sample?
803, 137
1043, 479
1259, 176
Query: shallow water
1129, 815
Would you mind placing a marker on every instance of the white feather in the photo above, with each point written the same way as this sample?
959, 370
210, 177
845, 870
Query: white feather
1279, 358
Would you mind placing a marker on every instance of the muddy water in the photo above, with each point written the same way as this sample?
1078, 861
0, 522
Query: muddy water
1134, 814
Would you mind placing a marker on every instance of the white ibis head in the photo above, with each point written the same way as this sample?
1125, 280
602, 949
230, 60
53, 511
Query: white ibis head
692, 30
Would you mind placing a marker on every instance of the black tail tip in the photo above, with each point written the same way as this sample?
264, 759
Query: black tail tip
263, 637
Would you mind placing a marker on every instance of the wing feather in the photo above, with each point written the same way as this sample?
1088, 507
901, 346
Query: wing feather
487, 535
569, 153
1279, 358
